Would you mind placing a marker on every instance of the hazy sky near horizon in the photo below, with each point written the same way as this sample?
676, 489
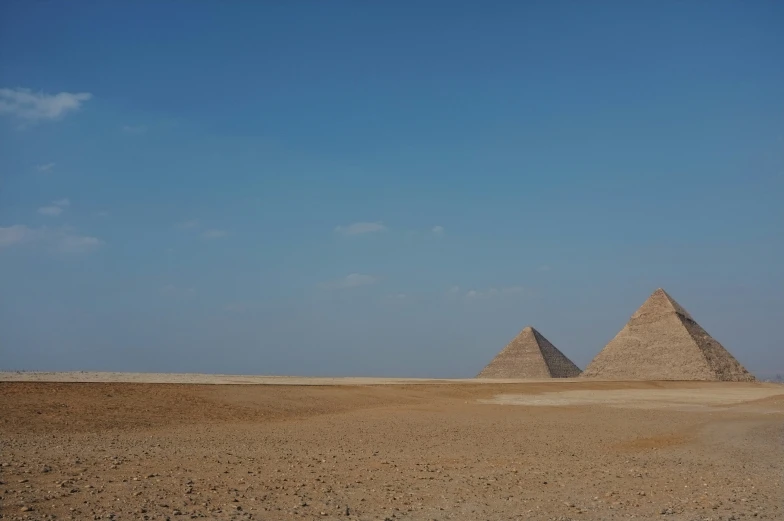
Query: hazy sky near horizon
391, 189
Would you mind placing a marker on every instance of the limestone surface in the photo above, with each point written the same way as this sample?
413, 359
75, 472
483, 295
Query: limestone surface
530, 355
662, 341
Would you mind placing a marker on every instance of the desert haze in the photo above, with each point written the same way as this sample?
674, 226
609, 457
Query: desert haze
113, 446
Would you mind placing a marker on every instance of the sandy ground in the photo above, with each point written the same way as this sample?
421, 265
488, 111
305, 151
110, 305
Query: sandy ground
442, 450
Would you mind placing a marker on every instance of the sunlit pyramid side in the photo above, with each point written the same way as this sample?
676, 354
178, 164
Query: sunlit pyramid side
662, 341
530, 355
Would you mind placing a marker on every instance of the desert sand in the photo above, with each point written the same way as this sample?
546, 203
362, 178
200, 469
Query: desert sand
387, 449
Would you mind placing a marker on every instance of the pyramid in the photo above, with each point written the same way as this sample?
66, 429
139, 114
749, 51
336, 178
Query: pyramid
530, 355
662, 341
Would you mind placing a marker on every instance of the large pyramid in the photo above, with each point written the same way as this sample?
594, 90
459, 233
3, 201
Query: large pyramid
530, 355
663, 342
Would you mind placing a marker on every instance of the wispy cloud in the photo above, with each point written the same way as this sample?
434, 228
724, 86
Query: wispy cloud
63, 239
32, 107
68, 243
360, 228
453, 291
191, 223
438, 230
354, 280
545, 267
45, 167
214, 234
494, 292
17, 234
134, 129
209, 233
56, 208
52, 211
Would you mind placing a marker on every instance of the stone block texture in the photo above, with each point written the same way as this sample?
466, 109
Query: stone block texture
530, 355
662, 341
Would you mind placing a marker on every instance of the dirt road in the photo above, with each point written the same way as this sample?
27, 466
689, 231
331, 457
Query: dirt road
541, 451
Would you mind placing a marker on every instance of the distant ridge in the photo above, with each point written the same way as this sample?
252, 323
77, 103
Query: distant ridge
662, 341
530, 355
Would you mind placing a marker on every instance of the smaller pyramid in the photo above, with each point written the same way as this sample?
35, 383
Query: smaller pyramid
530, 355
662, 341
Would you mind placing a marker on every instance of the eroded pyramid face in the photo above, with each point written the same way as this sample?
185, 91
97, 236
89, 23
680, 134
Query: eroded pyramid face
530, 355
662, 341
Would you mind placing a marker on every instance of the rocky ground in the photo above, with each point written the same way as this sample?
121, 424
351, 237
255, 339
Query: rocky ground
389, 452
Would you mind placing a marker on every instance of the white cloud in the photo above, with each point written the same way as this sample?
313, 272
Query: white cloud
210, 233
353, 280
192, 223
33, 107
68, 243
134, 129
214, 234
360, 228
52, 211
544, 268
45, 167
16, 234
454, 290
493, 292
55, 209
63, 239
438, 230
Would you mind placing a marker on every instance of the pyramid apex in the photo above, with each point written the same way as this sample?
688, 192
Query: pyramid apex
680, 310
661, 292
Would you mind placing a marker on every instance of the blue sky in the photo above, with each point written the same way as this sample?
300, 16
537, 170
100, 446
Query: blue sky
389, 189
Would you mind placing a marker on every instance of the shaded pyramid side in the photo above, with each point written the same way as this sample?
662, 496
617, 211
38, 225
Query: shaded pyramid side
723, 365
558, 363
662, 341
530, 355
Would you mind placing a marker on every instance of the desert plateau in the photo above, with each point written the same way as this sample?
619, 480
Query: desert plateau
104, 446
